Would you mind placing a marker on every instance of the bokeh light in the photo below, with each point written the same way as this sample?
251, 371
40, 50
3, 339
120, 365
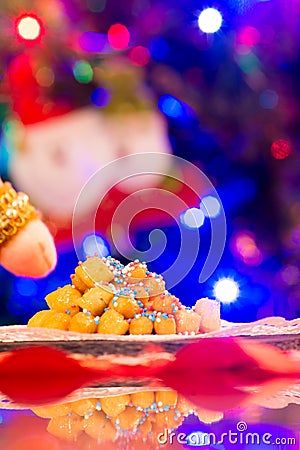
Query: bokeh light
83, 72
226, 290
268, 99
210, 206
100, 97
281, 149
45, 76
210, 20
95, 245
192, 218
140, 55
118, 36
248, 36
171, 106
29, 27
243, 245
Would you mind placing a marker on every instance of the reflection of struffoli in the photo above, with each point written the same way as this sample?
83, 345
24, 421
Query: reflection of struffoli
140, 415
109, 298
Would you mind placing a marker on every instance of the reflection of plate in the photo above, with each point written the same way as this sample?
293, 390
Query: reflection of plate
279, 400
273, 330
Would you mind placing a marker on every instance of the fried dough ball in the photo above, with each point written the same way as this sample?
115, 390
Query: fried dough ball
129, 419
99, 427
143, 399
83, 323
164, 398
111, 322
125, 305
165, 303
47, 412
187, 321
141, 325
78, 283
68, 427
64, 299
38, 319
93, 301
164, 325
113, 406
60, 321
84, 406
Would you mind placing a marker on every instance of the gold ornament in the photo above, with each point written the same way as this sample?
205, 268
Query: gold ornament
15, 212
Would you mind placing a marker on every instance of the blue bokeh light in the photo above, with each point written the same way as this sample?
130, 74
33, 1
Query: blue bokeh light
100, 97
95, 245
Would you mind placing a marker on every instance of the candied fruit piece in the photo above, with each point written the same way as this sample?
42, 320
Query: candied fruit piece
154, 284
141, 325
64, 299
78, 283
60, 321
209, 312
164, 325
83, 323
92, 301
68, 427
94, 270
164, 398
38, 319
125, 305
187, 321
129, 419
111, 322
165, 303
143, 399
113, 406
47, 412
84, 406
99, 427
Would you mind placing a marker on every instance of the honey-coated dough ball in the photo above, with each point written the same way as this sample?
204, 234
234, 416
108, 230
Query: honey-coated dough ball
143, 399
113, 406
164, 326
83, 323
60, 321
64, 299
99, 427
38, 319
141, 325
164, 398
47, 412
111, 322
187, 321
84, 406
67, 427
130, 418
165, 303
92, 301
78, 283
125, 305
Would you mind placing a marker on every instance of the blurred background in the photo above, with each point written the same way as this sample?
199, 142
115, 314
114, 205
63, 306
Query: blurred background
84, 82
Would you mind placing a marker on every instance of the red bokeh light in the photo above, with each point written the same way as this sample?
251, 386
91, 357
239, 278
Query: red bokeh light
118, 36
140, 56
248, 36
281, 149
